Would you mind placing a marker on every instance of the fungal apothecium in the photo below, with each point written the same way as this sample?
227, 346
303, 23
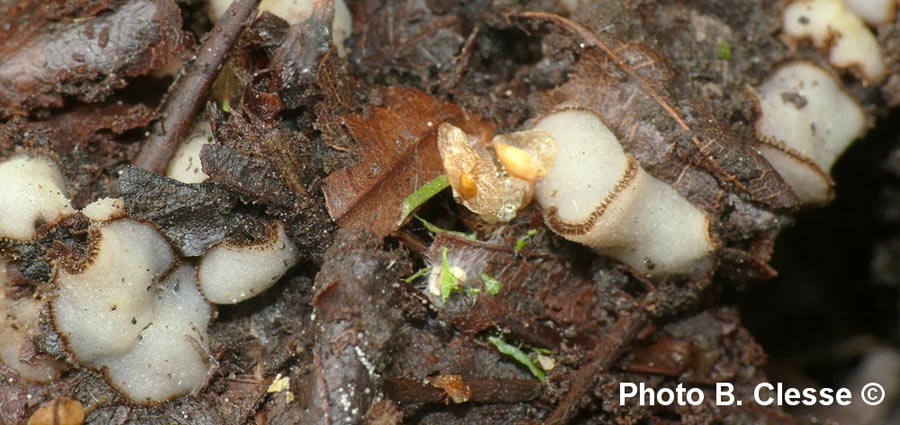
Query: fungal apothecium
128, 310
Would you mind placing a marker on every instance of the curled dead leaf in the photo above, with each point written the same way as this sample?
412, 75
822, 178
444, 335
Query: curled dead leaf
398, 142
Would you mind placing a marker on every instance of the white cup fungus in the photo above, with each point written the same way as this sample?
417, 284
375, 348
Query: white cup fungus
102, 309
32, 194
230, 273
597, 195
105, 209
185, 164
171, 356
19, 320
122, 310
806, 120
873, 11
829, 24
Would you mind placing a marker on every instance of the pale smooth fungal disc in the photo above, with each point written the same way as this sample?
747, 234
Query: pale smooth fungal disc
597, 195
829, 24
102, 309
231, 273
873, 11
185, 165
294, 11
105, 209
806, 121
171, 357
148, 338
32, 194
19, 322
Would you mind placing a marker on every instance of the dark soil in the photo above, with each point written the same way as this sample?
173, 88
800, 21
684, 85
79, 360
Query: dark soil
330, 145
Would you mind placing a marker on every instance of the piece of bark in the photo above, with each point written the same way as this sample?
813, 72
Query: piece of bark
87, 55
193, 217
296, 61
253, 177
74, 129
356, 318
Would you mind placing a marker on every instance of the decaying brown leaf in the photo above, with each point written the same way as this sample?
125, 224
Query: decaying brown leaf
61, 411
530, 292
454, 386
398, 142
88, 54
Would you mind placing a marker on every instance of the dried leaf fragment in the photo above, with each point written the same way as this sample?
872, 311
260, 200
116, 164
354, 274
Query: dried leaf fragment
454, 386
477, 181
60, 411
398, 142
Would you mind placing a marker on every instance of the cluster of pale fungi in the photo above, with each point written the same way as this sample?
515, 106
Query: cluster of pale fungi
136, 315
132, 311
592, 192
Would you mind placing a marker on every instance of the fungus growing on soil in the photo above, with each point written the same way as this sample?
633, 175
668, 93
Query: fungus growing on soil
230, 273
597, 195
806, 121
828, 24
146, 337
873, 11
102, 308
294, 11
122, 310
171, 356
185, 165
19, 321
32, 195
590, 190
105, 209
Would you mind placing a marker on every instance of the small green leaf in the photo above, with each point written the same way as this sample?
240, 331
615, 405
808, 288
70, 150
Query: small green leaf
519, 355
422, 195
491, 285
520, 243
449, 284
724, 51
418, 274
434, 229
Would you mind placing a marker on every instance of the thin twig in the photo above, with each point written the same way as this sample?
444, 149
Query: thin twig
188, 94
621, 335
